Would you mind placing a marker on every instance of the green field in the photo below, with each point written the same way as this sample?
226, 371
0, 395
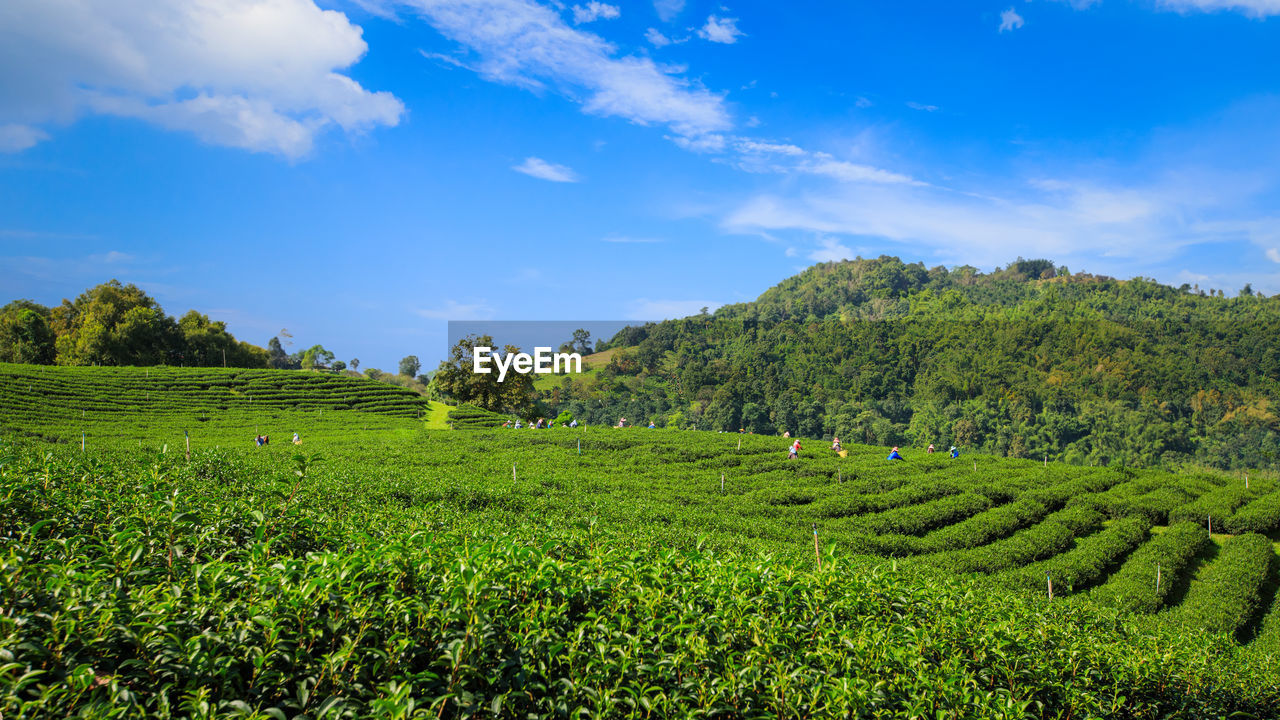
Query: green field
384, 568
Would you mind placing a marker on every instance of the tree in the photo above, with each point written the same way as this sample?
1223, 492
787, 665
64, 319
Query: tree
25, 335
582, 341
409, 365
114, 324
207, 343
457, 379
338, 366
276, 355
316, 358
355, 364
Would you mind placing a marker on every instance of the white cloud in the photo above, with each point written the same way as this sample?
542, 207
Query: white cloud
263, 75
522, 43
830, 250
16, 138
712, 143
762, 156
1010, 20
1063, 220
668, 9
750, 146
646, 309
863, 102
453, 310
656, 38
720, 30
921, 106
111, 257
1273, 254
1253, 8
543, 170
593, 11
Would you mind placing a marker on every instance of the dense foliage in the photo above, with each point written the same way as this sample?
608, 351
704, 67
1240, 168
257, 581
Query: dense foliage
1030, 361
115, 324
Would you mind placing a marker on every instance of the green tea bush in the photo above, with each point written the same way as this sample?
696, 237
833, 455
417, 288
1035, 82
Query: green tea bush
1055, 534
1218, 504
1086, 563
1230, 588
1259, 516
1133, 587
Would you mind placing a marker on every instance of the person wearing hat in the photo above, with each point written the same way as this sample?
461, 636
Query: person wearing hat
930, 450
795, 450
955, 453
894, 455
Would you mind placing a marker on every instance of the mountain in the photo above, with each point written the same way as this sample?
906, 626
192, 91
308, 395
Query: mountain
1026, 361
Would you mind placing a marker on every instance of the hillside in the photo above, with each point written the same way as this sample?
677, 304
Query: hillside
1030, 361
385, 567
60, 403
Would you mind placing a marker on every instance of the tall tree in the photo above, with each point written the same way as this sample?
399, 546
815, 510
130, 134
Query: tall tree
457, 379
276, 355
316, 358
113, 324
25, 335
410, 365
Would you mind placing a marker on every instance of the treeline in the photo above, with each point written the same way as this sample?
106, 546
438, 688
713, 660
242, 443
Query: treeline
1027, 361
115, 324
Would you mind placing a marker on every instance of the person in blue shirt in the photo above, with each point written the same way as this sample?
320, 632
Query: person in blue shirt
893, 455
954, 452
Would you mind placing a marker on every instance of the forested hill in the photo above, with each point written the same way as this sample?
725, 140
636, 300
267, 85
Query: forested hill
1026, 361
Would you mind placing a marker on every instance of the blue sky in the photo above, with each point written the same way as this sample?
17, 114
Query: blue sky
362, 171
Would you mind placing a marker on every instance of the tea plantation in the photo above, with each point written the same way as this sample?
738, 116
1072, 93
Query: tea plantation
380, 569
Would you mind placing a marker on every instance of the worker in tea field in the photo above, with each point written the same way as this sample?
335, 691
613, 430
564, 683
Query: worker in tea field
955, 453
297, 440
835, 443
930, 450
795, 450
895, 455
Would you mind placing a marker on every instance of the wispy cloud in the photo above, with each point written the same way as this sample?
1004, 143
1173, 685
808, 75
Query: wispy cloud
593, 11
15, 137
543, 170
668, 9
1010, 20
1253, 8
453, 310
111, 257
760, 156
720, 30
656, 38
43, 235
1273, 254
830, 250
523, 43
921, 106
